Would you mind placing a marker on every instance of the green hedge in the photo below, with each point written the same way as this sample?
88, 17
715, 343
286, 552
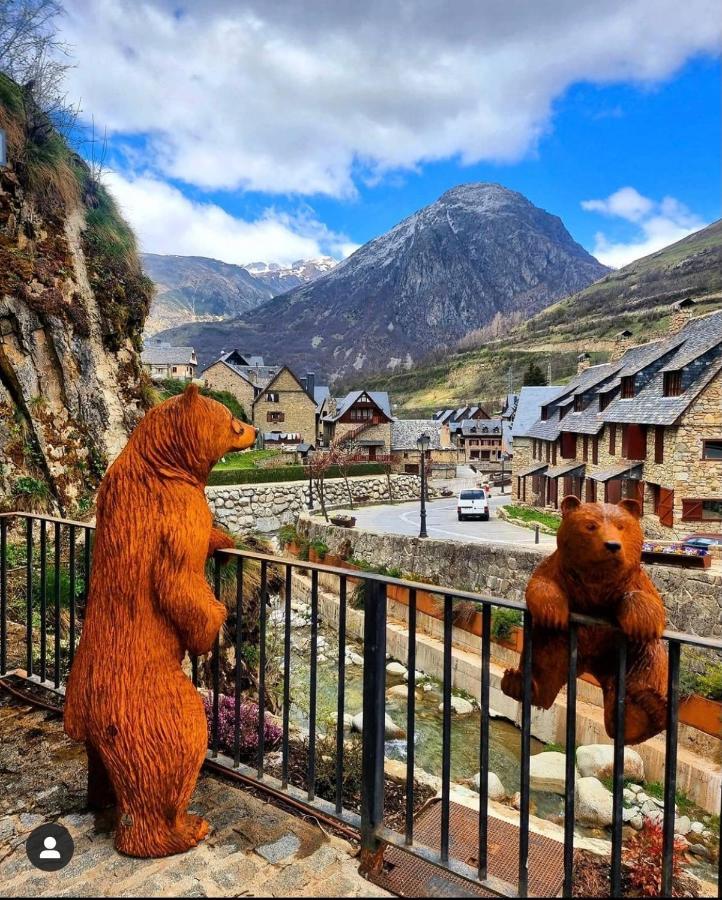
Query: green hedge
285, 473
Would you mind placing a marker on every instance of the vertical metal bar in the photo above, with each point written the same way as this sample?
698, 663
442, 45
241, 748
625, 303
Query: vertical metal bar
239, 651
43, 597
87, 545
411, 720
484, 741
216, 670
525, 757
56, 603
71, 599
670, 767
311, 780
446, 731
618, 782
29, 595
262, 671
3, 594
374, 715
341, 692
570, 749
286, 676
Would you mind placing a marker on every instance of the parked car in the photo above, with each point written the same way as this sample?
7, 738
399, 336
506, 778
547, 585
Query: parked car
473, 504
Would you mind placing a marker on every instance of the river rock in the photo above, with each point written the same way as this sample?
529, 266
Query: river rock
496, 788
392, 730
682, 826
396, 668
420, 676
355, 659
547, 772
637, 822
593, 802
398, 690
347, 721
696, 828
597, 760
460, 706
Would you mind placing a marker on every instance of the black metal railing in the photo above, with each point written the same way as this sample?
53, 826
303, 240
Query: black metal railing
49, 624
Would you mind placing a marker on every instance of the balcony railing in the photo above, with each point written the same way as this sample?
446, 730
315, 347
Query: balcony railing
69, 545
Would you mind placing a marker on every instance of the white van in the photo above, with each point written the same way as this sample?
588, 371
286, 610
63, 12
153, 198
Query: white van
473, 503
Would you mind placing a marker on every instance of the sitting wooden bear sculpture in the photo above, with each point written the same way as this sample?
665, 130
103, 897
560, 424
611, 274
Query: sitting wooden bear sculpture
596, 570
127, 698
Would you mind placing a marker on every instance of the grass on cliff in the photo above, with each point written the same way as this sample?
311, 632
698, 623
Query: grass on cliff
171, 387
524, 514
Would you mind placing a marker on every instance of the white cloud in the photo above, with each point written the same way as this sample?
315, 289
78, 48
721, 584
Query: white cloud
166, 221
288, 97
657, 225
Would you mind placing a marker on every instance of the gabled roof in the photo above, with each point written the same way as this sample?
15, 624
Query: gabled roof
240, 359
528, 407
166, 356
321, 393
379, 398
275, 379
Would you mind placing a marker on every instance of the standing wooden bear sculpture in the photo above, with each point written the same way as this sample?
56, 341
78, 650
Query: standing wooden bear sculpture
596, 570
127, 697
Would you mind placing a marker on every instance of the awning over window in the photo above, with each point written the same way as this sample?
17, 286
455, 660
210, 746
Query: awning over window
370, 443
628, 470
574, 468
536, 469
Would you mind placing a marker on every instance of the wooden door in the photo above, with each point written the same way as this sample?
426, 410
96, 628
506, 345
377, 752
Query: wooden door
666, 507
591, 493
613, 490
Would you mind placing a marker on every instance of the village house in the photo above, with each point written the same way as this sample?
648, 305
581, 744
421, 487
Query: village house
240, 374
454, 416
442, 455
527, 412
161, 360
647, 425
361, 419
287, 411
479, 441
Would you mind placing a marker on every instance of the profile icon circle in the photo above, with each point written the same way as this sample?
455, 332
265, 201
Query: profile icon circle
49, 847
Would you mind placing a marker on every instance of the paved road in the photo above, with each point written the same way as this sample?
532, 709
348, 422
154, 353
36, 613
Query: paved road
441, 522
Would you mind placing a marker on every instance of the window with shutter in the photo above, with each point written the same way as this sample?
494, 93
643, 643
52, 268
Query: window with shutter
612, 440
659, 444
672, 386
699, 510
665, 508
585, 448
595, 449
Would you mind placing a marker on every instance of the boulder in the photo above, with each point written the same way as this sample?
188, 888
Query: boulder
355, 659
683, 826
392, 730
459, 705
547, 772
398, 690
597, 760
593, 802
696, 827
396, 668
496, 788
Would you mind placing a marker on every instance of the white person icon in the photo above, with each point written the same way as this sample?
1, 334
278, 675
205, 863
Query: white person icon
49, 847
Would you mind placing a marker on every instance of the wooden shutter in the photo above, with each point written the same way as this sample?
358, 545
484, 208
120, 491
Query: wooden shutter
554, 453
666, 507
659, 444
691, 510
591, 494
585, 448
595, 449
613, 490
612, 440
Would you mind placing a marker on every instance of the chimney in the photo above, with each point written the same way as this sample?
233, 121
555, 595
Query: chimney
310, 384
682, 312
584, 360
622, 343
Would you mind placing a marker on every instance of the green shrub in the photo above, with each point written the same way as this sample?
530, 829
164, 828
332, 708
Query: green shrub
287, 534
171, 387
710, 684
283, 473
27, 486
503, 622
319, 547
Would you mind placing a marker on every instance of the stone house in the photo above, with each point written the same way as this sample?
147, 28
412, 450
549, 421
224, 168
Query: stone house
647, 426
161, 360
405, 454
361, 419
287, 411
527, 412
479, 441
242, 375
455, 416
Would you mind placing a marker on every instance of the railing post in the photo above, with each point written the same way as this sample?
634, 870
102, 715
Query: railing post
373, 729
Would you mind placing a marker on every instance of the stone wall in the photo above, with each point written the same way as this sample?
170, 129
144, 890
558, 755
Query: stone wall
297, 408
220, 377
693, 597
265, 507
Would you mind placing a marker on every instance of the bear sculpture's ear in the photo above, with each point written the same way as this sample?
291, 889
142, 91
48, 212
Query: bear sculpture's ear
569, 504
191, 392
632, 506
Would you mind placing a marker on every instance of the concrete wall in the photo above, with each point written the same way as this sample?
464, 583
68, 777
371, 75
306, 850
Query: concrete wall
265, 507
693, 597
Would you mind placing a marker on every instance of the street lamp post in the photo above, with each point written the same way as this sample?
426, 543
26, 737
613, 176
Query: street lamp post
423, 442
310, 484
503, 457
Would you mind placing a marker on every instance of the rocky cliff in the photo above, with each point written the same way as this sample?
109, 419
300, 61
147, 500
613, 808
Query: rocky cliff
73, 301
479, 251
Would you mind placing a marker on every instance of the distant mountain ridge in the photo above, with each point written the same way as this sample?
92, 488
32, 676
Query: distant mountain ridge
478, 251
197, 288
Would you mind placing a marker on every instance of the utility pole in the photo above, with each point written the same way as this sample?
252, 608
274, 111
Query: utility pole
549, 371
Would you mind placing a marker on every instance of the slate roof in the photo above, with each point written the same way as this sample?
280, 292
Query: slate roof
566, 469
321, 393
259, 376
478, 427
166, 356
532, 470
380, 398
616, 471
404, 433
531, 399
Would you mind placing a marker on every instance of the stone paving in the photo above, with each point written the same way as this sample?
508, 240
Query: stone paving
254, 849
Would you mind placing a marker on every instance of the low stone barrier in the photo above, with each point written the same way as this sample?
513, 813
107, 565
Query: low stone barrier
265, 507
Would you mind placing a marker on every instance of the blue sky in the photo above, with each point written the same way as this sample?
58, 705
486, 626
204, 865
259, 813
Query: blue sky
255, 132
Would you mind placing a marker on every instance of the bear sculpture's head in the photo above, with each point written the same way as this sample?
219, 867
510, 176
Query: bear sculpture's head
600, 540
187, 435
